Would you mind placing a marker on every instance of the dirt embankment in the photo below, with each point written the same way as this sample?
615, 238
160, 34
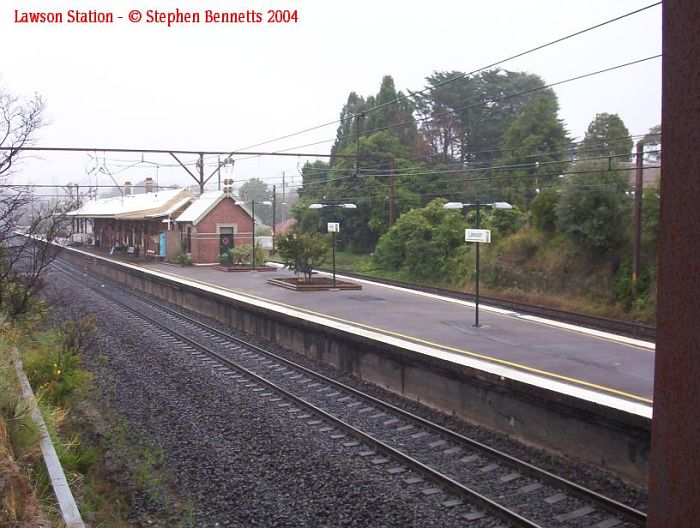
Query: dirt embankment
19, 508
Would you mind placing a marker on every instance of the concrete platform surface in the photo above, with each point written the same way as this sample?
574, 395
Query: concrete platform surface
612, 365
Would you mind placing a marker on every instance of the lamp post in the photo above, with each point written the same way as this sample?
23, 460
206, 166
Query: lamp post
252, 214
333, 227
479, 237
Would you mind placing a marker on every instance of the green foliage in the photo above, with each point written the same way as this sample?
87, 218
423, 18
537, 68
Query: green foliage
258, 191
535, 142
21, 430
459, 129
543, 211
607, 135
594, 210
302, 253
383, 118
639, 298
363, 226
181, 257
54, 366
650, 222
423, 242
242, 255
506, 221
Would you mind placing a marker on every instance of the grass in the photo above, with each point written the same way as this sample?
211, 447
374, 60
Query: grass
104, 471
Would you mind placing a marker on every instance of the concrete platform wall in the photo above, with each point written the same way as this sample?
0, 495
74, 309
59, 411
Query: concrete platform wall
533, 415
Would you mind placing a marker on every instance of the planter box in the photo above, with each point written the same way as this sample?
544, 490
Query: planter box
248, 268
316, 284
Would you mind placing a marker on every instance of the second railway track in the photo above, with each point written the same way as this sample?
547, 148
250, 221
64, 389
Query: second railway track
409, 446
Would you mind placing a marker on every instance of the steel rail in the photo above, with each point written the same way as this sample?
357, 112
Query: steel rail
438, 478
608, 504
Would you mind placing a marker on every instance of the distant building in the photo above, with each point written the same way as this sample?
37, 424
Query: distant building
213, 223
161, 224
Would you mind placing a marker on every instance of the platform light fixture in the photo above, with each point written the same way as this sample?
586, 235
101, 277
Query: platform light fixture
477, 205
333, 227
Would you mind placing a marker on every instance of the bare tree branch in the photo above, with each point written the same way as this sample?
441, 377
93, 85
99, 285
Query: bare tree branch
19, 120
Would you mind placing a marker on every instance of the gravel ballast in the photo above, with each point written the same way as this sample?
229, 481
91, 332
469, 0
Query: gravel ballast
240, 460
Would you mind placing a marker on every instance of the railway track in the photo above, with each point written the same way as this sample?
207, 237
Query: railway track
616, 326
410, 447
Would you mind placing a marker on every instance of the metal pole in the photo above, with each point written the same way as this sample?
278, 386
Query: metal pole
253, 232
201, 173
333, 246
637, 236
284, 200
478, 245
274, 215
218, 173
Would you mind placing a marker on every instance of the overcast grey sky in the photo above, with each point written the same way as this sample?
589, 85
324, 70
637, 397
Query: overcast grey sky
224, 87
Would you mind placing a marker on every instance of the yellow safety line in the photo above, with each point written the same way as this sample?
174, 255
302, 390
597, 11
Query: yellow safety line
425, 342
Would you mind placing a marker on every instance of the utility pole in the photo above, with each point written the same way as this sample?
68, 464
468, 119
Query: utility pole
218, 172
201, 173
274, 216
284, 201
392, 211
478, 246
637, 235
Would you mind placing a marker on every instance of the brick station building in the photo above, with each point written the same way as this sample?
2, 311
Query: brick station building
211, 224
158, 224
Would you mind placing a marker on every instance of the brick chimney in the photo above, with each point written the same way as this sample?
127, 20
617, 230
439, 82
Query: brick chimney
149, 185
127, 189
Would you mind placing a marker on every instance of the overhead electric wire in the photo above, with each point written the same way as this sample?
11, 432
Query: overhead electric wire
461, 76
346, 198
475, 165
467, 107
455, 171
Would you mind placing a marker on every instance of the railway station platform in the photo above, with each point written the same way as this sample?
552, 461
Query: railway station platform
546, 382
581, 357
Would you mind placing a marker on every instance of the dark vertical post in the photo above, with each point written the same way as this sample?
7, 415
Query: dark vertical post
478, 246
218, 173
274, 216
637, 233
333, 251
252, 233
392, 211
674, 486
201, 173
284, 200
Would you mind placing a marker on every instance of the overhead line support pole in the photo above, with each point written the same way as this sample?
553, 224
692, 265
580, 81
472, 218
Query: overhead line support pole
637, 236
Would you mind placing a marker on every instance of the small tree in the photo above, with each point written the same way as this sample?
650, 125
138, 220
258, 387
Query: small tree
302, 253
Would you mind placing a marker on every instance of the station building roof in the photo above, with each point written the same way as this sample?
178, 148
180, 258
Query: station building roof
204, 204
135, 206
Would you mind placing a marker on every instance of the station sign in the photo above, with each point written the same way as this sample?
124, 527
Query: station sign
333, 227
478, 235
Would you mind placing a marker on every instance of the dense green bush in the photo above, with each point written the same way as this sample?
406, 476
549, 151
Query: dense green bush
594, 210
422, 244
